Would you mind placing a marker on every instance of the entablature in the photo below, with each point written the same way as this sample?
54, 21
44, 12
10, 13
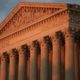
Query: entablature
33, 22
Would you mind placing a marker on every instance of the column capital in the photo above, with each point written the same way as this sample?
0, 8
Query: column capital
31, 45
13, 52
53, 37
60, 37
77, 37
31, 48
34, 45
48, 42
57, 36
70, 32
42, 41
23, 49
45, 39
5, 57
37, 45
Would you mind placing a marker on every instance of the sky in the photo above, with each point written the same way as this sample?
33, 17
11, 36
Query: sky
7, 5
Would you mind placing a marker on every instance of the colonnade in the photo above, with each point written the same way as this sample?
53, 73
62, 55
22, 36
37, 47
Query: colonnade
53, 57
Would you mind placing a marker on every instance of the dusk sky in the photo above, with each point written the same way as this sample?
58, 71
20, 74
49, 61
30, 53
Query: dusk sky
7, 5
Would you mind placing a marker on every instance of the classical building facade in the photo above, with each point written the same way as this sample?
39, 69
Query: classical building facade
40, 41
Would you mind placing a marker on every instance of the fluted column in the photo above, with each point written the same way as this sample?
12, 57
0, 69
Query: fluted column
49, 52
79, 60
63, 62
28, 65
4, 66
33, 61
56, 57
76, 56
0, 68
39, 62
69, 54
44, 74
13, 68
22, 63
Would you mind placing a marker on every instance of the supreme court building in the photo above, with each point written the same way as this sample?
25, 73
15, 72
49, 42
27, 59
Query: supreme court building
40, 41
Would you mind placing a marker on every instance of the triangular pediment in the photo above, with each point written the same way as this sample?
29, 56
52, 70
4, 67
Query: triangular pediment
28, 13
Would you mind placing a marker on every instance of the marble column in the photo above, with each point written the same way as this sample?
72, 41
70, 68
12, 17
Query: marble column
4, 66
0, 68
76, 56
69, 54
79, 60
44, 73
13, 68
39, 65
22, 63
28, 65
49, 51
39, 60
63, 62
56, 57
33, 61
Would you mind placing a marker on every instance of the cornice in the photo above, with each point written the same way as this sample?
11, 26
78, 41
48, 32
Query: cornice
40, 21
30, 4
42, 4
37, 4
